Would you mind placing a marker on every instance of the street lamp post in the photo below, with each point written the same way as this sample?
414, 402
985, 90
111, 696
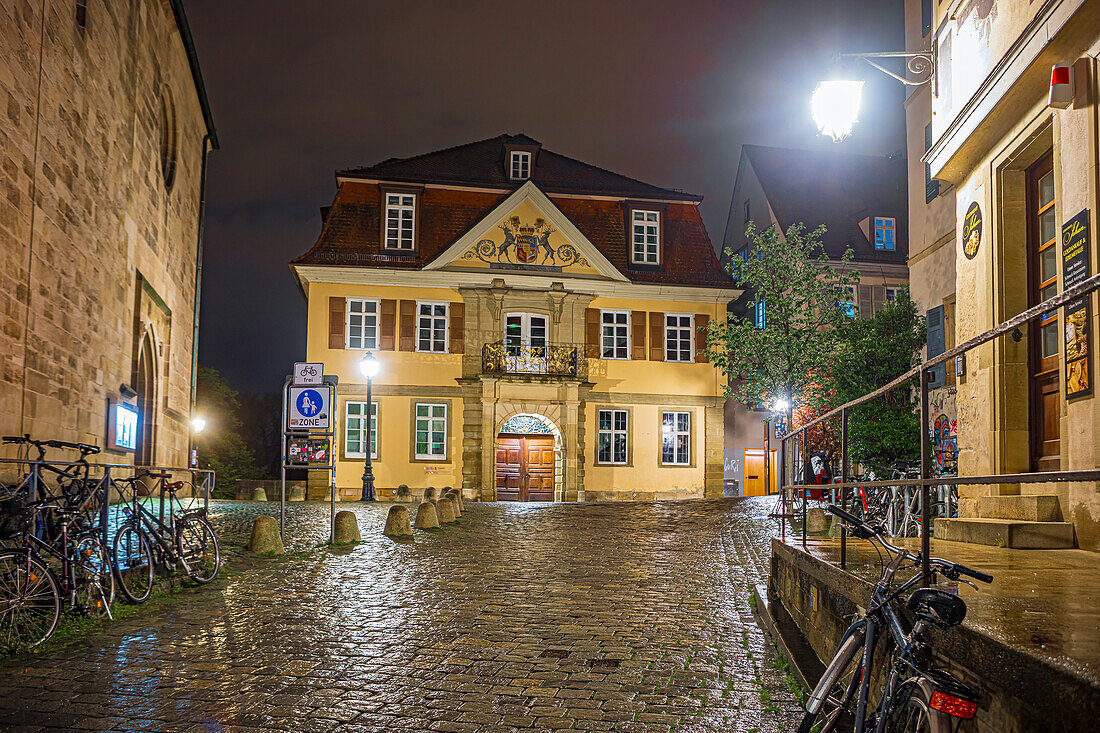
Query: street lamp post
198, 424
368, 367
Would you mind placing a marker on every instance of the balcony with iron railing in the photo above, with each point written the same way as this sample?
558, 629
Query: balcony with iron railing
555, 360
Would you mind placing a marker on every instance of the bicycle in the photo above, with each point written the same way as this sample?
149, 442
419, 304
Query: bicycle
30, 591
145, 542
917, 697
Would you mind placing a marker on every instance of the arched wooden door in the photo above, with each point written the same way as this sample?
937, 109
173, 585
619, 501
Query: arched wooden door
525, 467
145, 453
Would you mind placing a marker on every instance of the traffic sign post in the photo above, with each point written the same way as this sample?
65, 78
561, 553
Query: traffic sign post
309, 397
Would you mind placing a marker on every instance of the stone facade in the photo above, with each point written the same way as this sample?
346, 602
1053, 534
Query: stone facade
102, 156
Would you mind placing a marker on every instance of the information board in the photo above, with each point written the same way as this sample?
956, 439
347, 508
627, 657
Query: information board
1076, 313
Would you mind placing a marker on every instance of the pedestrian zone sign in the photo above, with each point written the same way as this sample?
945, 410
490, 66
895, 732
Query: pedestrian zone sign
308, 408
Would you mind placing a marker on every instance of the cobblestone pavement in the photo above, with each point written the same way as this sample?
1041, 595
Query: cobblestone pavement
630, 617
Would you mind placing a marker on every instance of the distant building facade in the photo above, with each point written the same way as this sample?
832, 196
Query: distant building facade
102, 159
861, 200
1004, 210
539, 322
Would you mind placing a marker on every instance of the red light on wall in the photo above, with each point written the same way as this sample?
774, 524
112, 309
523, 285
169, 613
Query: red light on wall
952, 705
1061, 87
1059, 75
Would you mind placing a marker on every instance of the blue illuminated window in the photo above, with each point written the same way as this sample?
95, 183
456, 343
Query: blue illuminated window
884, 232
759, 319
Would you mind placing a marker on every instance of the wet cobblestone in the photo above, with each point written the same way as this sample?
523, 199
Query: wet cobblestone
630, 617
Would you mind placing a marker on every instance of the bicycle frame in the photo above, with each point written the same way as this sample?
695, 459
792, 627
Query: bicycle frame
67, 582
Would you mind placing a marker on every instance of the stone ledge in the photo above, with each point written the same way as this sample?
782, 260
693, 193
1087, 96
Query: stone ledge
1026, 508
1020, 535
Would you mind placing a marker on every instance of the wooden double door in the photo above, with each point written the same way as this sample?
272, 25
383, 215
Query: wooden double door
525, 467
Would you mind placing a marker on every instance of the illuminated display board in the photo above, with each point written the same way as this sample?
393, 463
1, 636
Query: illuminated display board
122, 426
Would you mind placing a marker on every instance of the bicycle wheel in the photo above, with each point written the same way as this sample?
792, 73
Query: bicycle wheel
30, 601
95, 579
830, 699
911, 712
133, 564
197, 545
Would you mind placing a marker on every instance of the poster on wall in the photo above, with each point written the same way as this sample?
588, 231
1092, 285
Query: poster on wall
1075, 314
972, 231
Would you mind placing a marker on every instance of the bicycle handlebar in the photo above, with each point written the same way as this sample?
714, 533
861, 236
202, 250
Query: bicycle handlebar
865, 531
84, 448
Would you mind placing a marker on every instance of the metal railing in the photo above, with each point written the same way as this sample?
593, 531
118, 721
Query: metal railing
559, 360
922, 372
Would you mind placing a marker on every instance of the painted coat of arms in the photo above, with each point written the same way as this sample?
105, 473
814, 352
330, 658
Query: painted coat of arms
525, 244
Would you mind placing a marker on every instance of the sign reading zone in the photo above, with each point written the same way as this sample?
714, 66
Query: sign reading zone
308, 408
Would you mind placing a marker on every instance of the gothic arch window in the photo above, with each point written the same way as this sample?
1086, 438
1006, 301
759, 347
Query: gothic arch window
168, 137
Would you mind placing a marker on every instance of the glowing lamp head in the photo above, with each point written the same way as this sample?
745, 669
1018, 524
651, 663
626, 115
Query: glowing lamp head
198, 424
781, 405
369, 366
835, 107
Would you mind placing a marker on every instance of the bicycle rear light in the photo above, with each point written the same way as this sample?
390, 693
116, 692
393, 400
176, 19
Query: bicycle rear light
956, 706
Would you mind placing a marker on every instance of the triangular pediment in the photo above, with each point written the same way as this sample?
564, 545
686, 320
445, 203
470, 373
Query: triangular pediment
527, 233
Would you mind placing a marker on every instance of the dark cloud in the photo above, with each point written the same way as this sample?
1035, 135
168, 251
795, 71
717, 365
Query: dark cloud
662, 91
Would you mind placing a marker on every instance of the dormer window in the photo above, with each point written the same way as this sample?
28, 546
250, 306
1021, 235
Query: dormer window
520, 165
400, 221
645, 239
884, 232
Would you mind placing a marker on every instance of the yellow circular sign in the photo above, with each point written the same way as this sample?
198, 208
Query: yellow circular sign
972, 231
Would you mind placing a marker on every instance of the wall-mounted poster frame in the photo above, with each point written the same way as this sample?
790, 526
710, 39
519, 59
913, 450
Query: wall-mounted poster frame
1076, 314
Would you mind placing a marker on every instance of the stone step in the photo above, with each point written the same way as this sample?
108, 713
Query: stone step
1006, 533
1025, 508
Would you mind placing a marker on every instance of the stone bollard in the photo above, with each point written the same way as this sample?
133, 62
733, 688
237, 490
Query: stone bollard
346, 530
259, 494
429, 493
403, 493
297, 493
426, 517
816, 521
446, 509
457, 496
265, 536
397, 522
451, 499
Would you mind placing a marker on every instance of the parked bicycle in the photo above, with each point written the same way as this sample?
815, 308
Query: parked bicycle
917, 697
145, 543
30, 592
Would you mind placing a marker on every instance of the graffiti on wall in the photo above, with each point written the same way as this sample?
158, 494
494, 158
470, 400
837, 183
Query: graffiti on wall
943, 430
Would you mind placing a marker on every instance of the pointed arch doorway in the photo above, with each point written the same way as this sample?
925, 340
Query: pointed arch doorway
146, 387
528, 458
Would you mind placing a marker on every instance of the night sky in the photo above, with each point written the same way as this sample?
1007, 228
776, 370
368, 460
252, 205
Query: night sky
666, 92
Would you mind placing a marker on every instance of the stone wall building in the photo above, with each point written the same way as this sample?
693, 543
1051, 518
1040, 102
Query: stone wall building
538, 320
103, 151
861, 201
1009, 212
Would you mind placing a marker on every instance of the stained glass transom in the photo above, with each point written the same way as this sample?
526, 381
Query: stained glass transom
526, 424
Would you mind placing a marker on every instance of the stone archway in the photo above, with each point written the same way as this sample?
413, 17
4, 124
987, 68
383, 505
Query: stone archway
146, 387
522, 457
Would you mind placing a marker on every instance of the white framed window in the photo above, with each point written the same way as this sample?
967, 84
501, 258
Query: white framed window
759, 316
611, 436
401, 221
884, 232
431, 326
645, 237
362, 326
678, 338
892, 294
676, 438
615, 334
431, 431
355, 429
520, 165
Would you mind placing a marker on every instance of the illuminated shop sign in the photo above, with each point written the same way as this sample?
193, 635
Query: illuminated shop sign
122, 426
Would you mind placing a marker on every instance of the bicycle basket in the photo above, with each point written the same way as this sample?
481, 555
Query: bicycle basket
15, 517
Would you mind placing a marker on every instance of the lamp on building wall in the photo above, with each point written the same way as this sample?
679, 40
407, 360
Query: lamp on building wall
368, 367
198, 424
835, 103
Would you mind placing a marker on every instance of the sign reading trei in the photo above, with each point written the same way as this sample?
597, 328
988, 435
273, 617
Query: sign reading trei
308, 408
1078, 339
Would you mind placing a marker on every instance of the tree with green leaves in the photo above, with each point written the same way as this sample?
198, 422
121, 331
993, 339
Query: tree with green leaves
220, 445
873, 352
804, 301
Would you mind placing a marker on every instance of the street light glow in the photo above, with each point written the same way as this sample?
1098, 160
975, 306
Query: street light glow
369, 366
781, 405
198, 424
835, 106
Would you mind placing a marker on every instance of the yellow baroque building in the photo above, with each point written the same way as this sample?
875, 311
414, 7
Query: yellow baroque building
540, 324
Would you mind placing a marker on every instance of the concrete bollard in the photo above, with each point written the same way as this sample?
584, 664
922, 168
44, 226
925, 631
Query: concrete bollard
265, 536
397, 522
403, 493
429, 493
453, 501
259, 494
816, 521
347, 529
446, 511
296, 493
426, 518
457, 496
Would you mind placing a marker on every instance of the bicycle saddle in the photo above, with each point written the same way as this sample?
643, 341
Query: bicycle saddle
173, 485
937, 607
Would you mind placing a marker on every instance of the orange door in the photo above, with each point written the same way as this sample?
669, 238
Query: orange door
754, 473
525, 468
773, 472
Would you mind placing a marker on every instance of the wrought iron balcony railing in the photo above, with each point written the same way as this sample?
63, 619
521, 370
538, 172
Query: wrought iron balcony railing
552, 359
